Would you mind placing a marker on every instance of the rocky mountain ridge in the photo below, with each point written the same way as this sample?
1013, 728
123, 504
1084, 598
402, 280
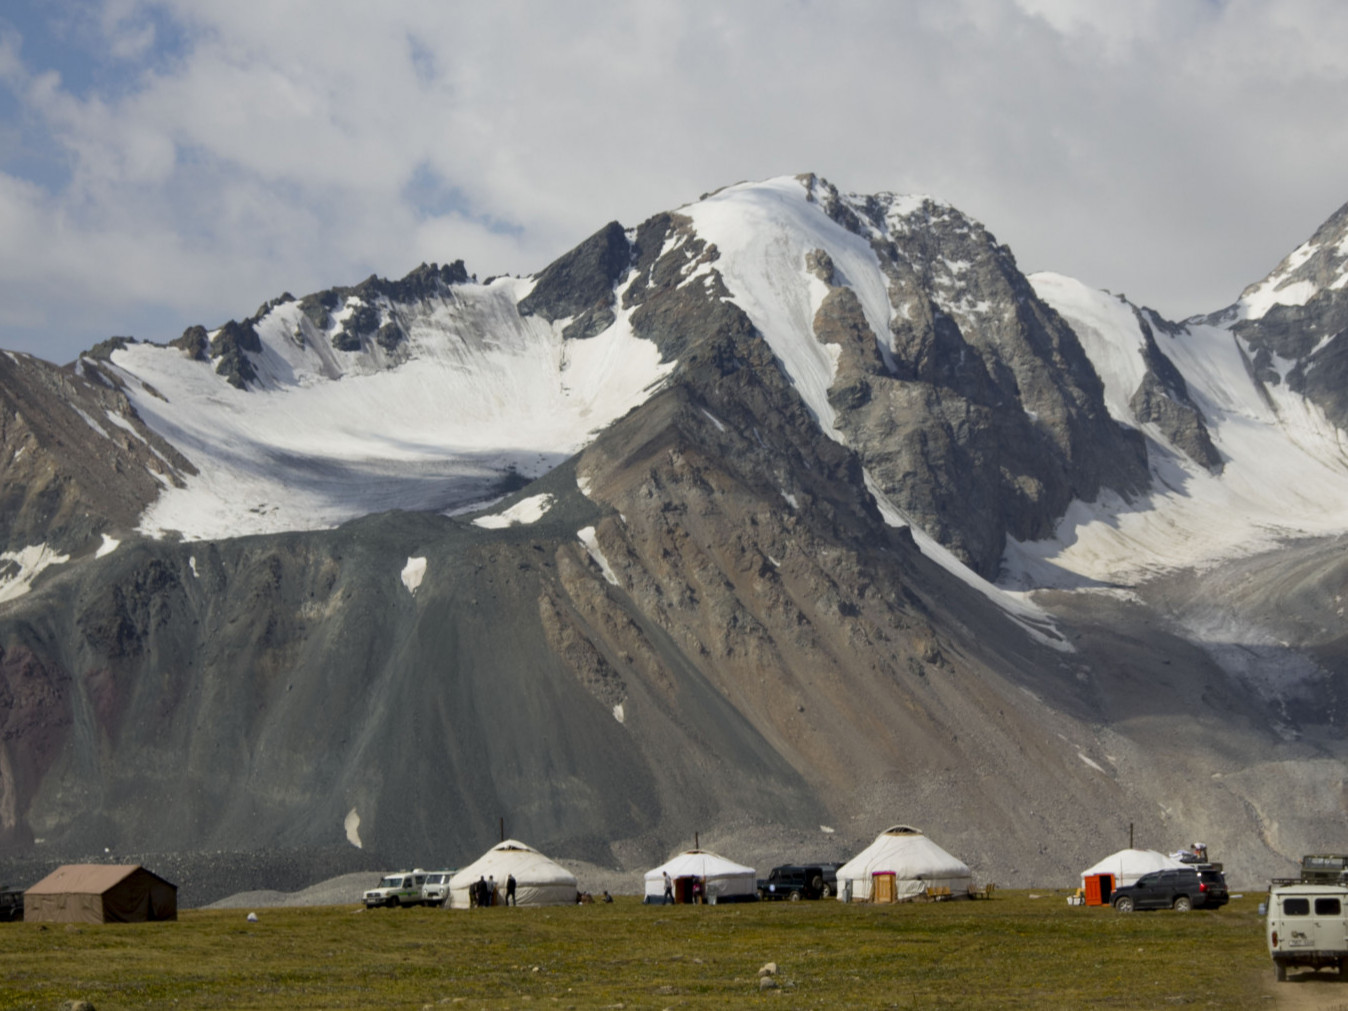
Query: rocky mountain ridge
762, 456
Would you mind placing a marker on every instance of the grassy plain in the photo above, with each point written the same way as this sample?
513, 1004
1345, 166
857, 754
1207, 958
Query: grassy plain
1013, 951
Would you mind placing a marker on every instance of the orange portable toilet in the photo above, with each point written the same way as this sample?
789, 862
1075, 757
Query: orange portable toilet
1099, 889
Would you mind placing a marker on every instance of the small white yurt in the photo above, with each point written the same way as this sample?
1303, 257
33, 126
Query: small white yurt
901, 864
723, 880
1129, 865
538, 880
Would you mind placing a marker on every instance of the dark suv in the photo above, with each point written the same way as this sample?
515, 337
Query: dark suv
799, 881
1180, 889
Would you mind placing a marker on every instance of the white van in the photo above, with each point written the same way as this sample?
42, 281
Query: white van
435, 892
400, 889
1307, 925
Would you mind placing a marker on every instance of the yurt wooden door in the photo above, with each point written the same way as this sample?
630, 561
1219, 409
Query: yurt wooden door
883, 888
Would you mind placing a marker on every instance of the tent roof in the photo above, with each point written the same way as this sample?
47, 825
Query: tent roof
699, 864
514, 857
906, 852
87, 879
1132, 863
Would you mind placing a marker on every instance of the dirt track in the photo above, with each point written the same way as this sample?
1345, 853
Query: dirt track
1309, 991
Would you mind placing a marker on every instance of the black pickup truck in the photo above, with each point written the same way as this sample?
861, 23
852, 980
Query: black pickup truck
799, 881
1181, 889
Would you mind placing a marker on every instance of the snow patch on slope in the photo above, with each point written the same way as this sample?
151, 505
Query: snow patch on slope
19, 568
586, 536
413, 573
525, 511
1277, 289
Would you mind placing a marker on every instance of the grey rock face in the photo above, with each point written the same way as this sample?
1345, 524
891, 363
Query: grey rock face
1313, 335
979, 415
580, 283
1163, 400
67, 472
231, 345
195, 343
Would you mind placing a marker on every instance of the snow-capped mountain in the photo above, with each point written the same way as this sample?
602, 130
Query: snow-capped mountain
810, 492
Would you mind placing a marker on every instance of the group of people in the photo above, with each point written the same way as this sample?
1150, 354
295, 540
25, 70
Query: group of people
482, 892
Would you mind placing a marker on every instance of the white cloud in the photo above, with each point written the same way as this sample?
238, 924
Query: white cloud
1175, 149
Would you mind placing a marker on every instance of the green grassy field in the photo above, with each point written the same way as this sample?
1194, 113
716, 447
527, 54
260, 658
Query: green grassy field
1013, 951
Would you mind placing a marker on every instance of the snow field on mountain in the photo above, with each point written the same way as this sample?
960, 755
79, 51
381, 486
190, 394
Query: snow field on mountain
1285, 468
764, 232
330, 437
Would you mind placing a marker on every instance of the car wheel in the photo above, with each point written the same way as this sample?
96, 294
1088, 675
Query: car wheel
794, 896
1124, 905
393, 902
825, 892
1280, 972
1183, 904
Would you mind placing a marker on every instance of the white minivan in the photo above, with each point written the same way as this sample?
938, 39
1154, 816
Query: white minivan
435, 892
1307, 925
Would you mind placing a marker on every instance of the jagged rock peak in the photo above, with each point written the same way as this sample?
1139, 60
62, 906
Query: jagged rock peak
1294, 323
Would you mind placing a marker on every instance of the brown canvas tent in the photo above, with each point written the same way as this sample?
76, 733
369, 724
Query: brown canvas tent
100, 893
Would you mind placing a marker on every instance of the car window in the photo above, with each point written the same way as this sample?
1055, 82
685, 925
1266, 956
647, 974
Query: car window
1148, 879
1328, 907
1296, 907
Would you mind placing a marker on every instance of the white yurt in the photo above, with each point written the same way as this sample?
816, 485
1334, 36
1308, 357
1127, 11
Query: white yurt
538, 880
724, 880
1129, 865
901, 864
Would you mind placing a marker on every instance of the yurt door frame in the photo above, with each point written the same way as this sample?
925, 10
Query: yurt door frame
883, 887
683, 889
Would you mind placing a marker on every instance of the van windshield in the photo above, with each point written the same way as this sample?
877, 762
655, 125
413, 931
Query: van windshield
391, 882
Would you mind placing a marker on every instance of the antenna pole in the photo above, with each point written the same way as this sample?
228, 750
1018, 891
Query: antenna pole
1130, 835
696, 845
503, 828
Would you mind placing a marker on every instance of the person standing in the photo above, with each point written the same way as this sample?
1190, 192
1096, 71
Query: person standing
669, 889
510, 890
491, 889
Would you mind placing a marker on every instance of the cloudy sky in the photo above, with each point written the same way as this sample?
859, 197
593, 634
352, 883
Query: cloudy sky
170, 162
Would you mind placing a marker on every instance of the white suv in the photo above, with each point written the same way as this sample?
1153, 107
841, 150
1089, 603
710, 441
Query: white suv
399, 889
435, 892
